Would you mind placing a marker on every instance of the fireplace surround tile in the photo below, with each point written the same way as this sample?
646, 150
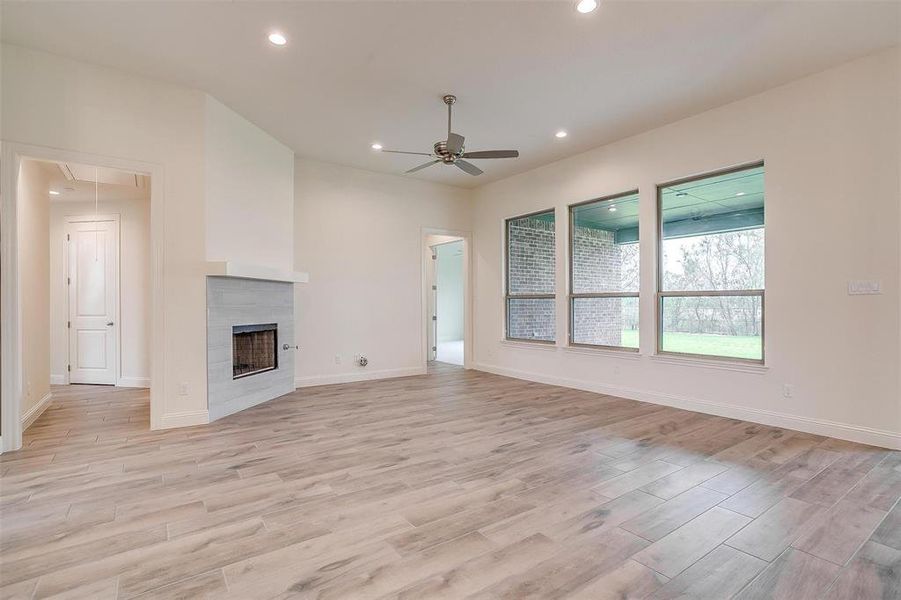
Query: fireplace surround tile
233, 302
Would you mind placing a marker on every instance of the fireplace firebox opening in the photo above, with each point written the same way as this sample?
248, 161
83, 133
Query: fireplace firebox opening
254, 349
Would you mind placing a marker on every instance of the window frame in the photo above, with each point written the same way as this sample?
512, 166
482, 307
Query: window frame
508, 296
661, 294
572, 296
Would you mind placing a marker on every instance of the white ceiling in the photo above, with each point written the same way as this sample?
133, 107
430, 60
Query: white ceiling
357, 72
114, 184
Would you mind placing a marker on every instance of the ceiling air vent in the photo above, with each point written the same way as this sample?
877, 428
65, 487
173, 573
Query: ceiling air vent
87, 173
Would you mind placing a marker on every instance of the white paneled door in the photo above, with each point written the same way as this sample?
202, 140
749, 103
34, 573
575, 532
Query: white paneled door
93, 282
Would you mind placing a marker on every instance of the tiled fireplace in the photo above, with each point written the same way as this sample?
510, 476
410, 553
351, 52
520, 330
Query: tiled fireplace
249, 323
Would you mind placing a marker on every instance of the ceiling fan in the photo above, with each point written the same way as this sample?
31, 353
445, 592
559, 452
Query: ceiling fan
451, 150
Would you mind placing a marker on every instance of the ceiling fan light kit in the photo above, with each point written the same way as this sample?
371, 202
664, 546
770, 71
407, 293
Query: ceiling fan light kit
452, 151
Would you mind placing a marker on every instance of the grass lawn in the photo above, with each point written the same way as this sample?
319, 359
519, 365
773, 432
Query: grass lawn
735, 346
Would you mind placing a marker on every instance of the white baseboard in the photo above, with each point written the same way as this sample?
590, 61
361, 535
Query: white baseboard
32, 414
133, 382
845, 431
58, 380
184, 419
313, 380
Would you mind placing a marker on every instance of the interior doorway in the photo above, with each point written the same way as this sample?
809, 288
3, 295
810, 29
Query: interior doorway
84, 257
41, 185
446, 289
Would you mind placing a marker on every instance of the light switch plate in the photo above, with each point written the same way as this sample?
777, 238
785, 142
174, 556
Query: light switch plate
862, 287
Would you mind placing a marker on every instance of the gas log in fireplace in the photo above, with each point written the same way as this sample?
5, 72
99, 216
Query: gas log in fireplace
254, 349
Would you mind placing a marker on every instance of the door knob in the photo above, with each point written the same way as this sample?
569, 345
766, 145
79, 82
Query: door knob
110, 324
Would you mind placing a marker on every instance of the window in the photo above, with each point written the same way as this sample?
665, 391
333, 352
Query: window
603, 272
530, 277
711, 265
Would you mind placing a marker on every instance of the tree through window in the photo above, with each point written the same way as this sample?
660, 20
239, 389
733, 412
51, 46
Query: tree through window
711, 271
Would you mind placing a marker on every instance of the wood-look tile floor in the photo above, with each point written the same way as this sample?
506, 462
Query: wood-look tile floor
452, 485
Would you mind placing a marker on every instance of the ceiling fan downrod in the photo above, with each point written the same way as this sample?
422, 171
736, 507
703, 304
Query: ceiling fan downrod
449, 99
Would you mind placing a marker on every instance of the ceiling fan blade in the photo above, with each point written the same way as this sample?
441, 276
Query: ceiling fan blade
492, 154
454, 143
404, 152
468, 167
423, 166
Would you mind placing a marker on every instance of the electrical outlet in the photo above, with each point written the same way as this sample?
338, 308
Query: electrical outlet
337, 359
864, 288
788, 390
616, 371
183, 389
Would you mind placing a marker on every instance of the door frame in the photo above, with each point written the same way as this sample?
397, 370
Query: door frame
11, 156
426, 256
70, 219
431, 289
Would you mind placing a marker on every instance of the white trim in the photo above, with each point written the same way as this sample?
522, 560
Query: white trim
606, 352
32, 414
708, 363
845, 431
10, 304
59, 379
526, 345
184, 419
314, 380
11, 155
133, 382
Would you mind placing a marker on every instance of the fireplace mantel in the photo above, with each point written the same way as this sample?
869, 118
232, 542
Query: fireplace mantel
228, 268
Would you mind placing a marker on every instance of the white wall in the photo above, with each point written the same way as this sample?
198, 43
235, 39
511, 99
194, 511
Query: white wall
56, 102
359, 234
249, 178
831, 146
450, 291
134, 286
60, 103
34, 270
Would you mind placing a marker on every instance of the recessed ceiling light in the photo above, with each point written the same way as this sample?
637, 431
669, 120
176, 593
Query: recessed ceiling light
561, 134
277, 39
612, 209
54, 193
376, 146
740, 194
586, 6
